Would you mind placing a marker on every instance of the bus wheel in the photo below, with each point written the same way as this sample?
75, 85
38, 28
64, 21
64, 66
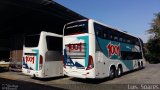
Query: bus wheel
119, 72
142, 65
33, 76
139, 66
112, 73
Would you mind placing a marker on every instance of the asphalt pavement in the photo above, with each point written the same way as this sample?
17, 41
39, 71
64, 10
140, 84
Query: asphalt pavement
144, 79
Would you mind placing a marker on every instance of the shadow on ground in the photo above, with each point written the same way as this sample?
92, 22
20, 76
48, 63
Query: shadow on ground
3, 70
90, 81
49, 79
22, 85
98, 81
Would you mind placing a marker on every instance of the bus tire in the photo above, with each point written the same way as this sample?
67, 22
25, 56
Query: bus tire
119, 71
112, 73
139, 66
142, 65
33, 76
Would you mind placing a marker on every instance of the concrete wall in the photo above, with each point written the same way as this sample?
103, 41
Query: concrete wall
16, 51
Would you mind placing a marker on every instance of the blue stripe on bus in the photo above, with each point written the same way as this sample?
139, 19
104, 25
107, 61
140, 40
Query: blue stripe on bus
86, 40
37, 56
25, 65
123, 47
65, 57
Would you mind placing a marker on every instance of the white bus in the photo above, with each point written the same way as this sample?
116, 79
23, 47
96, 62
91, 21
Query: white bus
42, 55
94, 50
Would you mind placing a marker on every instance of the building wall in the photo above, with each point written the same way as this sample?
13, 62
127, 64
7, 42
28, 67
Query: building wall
4, 47
16, 51
16, 56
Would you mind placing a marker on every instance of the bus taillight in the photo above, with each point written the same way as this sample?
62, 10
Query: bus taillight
40, 62
90, 63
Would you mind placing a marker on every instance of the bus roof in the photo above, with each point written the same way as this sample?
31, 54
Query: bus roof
48, 33
101, 24
54, 34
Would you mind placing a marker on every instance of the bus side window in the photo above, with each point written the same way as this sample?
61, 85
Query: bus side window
102, 31
124, 40
137, 42
120, 39
115, 38
54, 45
98, 33
126, 55
128, 41
105, 34
111, 37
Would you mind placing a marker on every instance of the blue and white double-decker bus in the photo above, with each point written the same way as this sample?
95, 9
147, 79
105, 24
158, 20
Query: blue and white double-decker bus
94, 50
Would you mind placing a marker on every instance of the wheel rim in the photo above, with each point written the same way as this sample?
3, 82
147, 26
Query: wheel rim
112, 73
119, 71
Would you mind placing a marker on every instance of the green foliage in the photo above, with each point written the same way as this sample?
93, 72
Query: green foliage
155, 27
151, 58
153, 44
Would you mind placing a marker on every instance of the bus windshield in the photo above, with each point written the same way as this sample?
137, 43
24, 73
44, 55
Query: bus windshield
31, 40
76, 28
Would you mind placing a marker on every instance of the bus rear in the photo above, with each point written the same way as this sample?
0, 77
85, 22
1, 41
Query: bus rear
32, 60
78, 61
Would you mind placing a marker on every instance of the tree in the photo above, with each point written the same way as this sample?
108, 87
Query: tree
155, 27
153, 44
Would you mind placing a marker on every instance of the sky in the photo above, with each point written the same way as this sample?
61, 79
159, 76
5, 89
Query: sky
133, 16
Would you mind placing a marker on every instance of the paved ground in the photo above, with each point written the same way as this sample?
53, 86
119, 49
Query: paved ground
21, 85
149, 75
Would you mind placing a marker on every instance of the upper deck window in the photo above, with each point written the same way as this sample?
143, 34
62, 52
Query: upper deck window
76, 28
